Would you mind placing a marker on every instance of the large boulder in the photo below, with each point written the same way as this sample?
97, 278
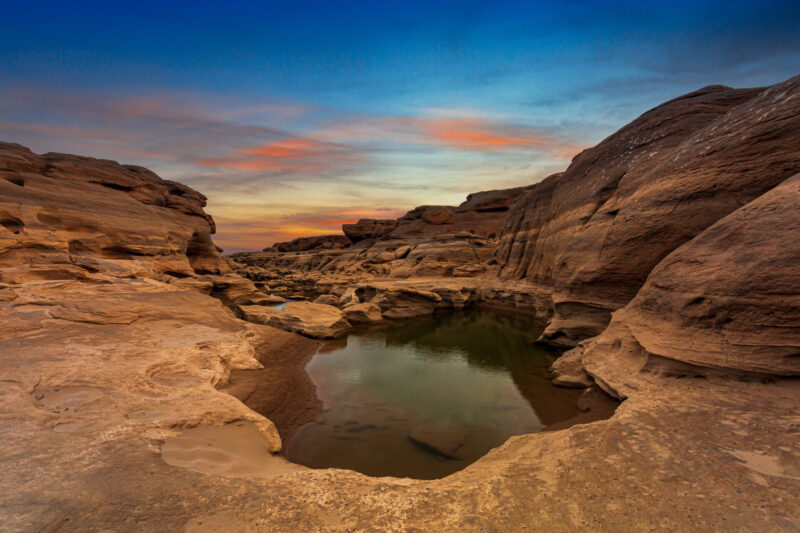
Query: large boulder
66, 217
366, 313
368, 228
399, 301
314, 320
437, 214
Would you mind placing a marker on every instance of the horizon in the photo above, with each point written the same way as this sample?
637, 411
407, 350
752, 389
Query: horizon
295, 120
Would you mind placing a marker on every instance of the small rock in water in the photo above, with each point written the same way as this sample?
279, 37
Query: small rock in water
444, 437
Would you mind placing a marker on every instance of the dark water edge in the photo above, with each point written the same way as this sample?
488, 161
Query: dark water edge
425, 398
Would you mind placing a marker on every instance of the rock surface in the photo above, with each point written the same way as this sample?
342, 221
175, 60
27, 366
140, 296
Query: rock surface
594, 232
368, 228
366, 313
322, 242
314, 320
444, 437
399, 301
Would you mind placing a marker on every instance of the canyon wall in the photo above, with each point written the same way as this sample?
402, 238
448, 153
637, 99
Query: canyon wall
595, 232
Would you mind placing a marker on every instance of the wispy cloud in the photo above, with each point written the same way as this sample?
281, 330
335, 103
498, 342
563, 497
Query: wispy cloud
295, 166
288, 155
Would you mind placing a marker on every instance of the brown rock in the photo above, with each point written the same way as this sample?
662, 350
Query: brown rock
444, 437
727, 300
302, 244
438, 214
594, 232
399, 301
314, 320
327, 299
368, 228
366, 313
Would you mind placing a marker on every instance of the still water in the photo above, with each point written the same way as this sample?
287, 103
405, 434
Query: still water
425, 398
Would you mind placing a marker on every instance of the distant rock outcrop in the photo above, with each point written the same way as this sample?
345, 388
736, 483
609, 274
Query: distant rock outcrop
321, 242
64, 216
368, 228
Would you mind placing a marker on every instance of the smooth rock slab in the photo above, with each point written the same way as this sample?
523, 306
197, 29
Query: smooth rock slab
314, 320
444, 437
366, 313
399, 301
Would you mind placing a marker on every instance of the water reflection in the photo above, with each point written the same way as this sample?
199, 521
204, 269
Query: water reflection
458, 384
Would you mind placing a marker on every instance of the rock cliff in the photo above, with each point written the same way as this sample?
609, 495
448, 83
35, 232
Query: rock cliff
594, 233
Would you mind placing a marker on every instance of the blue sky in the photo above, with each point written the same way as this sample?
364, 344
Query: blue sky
294, 117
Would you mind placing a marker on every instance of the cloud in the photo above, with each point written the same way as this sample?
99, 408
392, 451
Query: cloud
486, 136
240, 233
273, 170
454, 129
300, 155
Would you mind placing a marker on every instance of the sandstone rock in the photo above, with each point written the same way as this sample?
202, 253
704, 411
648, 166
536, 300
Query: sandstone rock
366, 313
368, 228
399, 301
236, 291
444, 437
68, 217
727, 300
594, 232
311, 319
438, 214
469, 270
327, 299
321, 242
349, 298
568, 372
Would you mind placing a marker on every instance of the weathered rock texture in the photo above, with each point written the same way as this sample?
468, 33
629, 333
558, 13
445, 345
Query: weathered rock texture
312, 319
594, 233
64, 217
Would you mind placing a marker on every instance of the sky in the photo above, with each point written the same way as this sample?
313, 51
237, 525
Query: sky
296, 117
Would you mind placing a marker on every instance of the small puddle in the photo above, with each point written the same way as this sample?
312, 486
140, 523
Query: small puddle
425, 398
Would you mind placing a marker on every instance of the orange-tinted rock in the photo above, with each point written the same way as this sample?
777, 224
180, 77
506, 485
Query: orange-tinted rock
438, 214
368, 228
64, 217
594, 232
321, 242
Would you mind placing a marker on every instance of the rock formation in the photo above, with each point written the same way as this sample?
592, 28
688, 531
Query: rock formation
593, 233
665, 258
315, 320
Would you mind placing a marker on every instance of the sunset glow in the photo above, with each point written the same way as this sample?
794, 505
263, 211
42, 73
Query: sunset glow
294, 118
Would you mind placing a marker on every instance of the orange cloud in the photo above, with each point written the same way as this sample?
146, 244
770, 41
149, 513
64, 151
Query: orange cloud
460, 131
290, 154
482, 135
238, 232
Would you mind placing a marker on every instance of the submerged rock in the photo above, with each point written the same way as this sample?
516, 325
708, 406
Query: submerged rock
444, 437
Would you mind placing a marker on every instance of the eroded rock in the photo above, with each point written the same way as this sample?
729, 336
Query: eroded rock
366, 313
315, 320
